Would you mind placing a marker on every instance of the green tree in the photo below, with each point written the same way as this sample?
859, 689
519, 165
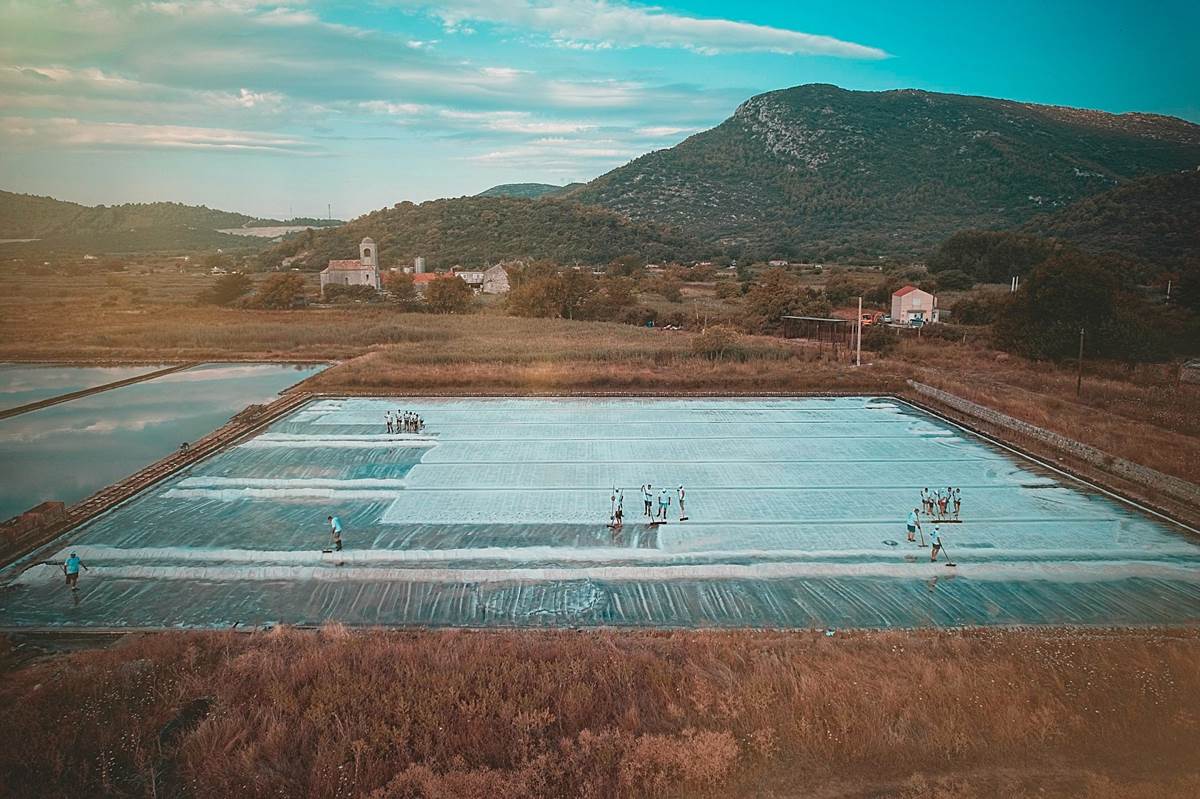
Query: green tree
991, 256
280, 290
540, 297
401, 287
216, 260
610, 301
717, 342
578, 287
777, 294
626, 266
226, 289
350, 294
449, 295
1067, 293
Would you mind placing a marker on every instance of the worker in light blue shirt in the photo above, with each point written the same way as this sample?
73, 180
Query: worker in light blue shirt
664, 502
335, 529
913, 524
71, 567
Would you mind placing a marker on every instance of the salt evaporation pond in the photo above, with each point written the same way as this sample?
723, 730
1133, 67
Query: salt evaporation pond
498, 516
66, 452
21, 384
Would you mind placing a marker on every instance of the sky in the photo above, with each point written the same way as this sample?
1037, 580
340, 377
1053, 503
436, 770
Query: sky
305, 108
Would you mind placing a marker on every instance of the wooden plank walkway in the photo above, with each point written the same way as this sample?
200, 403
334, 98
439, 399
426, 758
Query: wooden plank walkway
230, 433
46, 403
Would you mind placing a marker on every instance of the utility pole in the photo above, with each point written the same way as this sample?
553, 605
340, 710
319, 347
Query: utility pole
1079, 374
858, 351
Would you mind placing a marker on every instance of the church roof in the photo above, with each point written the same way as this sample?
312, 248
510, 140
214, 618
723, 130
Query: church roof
352, 264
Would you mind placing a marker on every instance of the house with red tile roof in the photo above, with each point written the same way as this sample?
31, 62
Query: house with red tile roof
910, 304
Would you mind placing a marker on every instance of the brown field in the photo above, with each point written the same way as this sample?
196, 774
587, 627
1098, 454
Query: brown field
609, 714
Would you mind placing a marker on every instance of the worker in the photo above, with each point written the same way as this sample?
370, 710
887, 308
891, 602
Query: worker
914, 522
71, 568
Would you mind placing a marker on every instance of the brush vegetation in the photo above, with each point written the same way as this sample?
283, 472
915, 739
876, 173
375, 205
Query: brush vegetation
608, 714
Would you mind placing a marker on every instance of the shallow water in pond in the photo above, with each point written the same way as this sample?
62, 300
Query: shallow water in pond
497, 514
21, 384
66, 452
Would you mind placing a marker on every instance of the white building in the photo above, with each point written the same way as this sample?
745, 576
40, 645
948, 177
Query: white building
361, 272
419, 265
910, 304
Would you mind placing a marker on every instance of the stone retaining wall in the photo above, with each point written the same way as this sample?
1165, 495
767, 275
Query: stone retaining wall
1173, 486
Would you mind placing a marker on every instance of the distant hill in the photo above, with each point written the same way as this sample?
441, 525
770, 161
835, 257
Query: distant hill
475, 230
818, 171
529, 191
68, 228
1155, 219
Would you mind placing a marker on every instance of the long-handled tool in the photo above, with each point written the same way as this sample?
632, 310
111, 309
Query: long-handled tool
949, 562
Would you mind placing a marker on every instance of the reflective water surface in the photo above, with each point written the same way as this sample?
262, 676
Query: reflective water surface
68, 451
21, 384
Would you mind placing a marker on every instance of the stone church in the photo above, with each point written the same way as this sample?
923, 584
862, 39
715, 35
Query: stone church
361, 272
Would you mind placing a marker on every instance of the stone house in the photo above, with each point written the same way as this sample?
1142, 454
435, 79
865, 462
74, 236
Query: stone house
495, 280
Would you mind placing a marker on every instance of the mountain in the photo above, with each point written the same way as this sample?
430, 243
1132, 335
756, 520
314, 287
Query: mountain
1156, 219
527, 190
477, 230
818, 171
66, 228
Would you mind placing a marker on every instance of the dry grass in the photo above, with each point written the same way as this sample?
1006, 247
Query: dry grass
1143, 414
503, 354
608, 714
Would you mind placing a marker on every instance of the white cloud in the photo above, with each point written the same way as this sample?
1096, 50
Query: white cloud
661, 131
593, 94
248, 99
70, 132
557, 154
392, 109
584, 23
515, 122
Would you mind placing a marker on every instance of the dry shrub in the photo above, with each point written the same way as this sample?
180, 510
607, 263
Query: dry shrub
660, 765
606, 714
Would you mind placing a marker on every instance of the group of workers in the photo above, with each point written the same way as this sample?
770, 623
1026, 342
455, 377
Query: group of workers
943, 504
940, 505
404, 422
665, 498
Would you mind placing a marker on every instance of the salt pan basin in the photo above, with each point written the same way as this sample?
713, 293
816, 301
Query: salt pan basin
498, 513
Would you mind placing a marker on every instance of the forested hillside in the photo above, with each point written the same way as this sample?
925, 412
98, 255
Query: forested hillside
527, 190
477, 230
821, 172
70, 228
1156, 219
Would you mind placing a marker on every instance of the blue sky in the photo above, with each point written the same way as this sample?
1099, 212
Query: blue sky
286, 107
